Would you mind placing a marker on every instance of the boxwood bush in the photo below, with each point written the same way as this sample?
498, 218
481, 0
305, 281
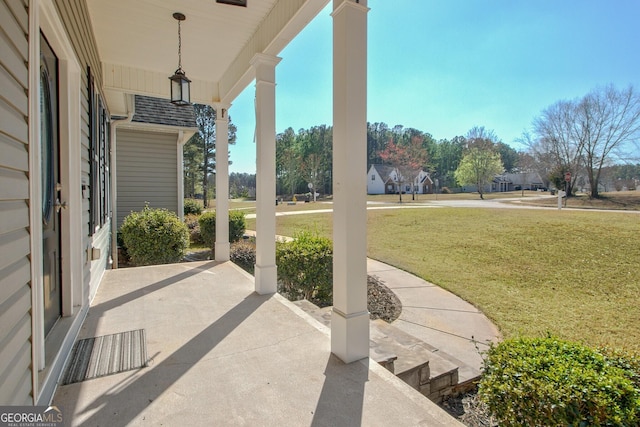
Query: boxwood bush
207, 221
305, 268
551, 382
154, 236
192, 207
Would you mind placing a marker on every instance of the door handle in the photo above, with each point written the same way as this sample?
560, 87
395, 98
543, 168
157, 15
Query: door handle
60, 205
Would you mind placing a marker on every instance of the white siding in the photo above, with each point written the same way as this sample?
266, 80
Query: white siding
147, 171
375, 185
15, 272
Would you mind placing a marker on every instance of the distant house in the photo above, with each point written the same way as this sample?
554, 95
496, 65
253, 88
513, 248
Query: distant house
383, 179
517, 181
149, 162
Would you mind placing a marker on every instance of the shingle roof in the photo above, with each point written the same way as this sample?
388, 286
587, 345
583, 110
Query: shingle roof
160, 111
385, 171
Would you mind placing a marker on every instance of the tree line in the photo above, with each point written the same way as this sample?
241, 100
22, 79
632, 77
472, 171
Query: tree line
594, 138
306, 156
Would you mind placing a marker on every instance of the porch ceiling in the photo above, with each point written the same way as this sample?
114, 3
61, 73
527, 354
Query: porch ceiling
138, 43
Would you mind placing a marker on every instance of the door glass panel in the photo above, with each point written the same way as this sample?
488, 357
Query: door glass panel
46, 155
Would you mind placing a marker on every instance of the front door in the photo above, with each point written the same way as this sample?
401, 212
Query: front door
50, 173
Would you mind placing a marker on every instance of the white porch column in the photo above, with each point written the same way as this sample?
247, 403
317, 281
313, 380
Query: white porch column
222, 183
265, 269
350, 317
180, 168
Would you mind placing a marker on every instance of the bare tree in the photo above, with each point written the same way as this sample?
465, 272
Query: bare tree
559, 142
609, 121
587, 134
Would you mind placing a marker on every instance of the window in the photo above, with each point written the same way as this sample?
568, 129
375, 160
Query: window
373, 177
99, 158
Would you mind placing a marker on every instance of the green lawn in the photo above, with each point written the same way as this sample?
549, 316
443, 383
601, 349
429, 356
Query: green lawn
572, 274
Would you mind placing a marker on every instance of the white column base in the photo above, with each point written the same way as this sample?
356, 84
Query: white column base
266, 279
350, 335
223, 251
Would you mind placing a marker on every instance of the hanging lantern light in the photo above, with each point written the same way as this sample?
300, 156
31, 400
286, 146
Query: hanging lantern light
180, 84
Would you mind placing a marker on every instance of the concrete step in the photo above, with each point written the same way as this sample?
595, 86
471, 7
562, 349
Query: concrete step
416, 364
409, 358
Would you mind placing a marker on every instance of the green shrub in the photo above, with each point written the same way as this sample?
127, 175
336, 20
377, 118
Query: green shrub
243, 254
550, 382
192, 207
207, 221
154, 236
305, 268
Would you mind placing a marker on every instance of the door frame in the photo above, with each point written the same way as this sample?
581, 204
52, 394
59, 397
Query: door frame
43, 16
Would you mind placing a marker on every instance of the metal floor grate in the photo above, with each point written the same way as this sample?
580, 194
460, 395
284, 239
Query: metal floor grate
106, 355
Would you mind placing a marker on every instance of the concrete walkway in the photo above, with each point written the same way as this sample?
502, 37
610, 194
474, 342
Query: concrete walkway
455, 329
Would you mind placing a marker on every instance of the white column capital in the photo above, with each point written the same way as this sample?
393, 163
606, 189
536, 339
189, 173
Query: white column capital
222, 110
264, 59
340, 5
265, 67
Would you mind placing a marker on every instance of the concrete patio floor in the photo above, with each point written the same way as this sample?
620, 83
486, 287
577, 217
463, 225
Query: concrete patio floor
223, 355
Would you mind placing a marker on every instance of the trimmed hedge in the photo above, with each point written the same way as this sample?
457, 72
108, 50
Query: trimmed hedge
551, 382
207, 221
154, 236
192, 207
305, 268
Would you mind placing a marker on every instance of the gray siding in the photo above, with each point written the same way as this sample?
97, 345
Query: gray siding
146, 171
15, 269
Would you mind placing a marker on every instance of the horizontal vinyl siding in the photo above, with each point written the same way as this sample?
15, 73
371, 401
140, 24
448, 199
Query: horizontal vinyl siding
146, 171
15, 268
75, 17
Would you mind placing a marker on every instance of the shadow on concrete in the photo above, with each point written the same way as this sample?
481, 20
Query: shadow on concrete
141, 292
342, 397
122, 405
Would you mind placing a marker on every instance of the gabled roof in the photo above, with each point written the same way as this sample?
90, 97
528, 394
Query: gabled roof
383, 170
159, 111
385, 173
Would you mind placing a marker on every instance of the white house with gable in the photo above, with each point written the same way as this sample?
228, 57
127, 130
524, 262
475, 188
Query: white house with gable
383, 179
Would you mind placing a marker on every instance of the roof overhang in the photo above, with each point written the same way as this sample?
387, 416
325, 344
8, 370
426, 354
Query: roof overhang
138, 44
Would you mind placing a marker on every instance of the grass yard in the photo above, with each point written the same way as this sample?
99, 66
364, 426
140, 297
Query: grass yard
618, 200
572, 274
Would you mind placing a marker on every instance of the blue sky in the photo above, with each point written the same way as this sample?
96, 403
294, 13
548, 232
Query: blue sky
444, 66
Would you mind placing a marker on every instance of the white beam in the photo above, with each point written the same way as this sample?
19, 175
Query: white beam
265, 269
222, 246
350, 318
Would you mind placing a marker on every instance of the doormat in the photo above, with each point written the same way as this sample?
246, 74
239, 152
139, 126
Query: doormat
106, 355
